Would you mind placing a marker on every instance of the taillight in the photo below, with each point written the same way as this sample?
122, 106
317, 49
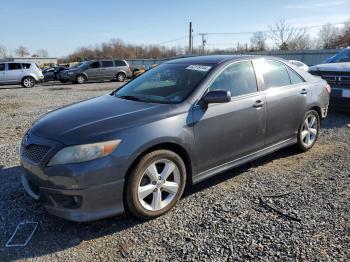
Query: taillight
129, 69
328, 88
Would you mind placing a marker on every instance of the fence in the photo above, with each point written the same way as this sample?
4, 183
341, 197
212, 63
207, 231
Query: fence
309, 57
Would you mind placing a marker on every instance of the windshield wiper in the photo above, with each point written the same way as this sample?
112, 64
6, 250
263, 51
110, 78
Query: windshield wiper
135, 98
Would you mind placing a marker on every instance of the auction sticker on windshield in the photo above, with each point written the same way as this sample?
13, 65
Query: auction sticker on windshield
199, 68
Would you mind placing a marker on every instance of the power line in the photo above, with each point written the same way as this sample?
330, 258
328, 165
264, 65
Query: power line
237, 33
265, 31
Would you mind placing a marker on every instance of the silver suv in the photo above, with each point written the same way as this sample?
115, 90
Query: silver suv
26, 74
95, 70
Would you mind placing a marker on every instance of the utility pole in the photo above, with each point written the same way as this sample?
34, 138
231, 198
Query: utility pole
190, 40
204, 41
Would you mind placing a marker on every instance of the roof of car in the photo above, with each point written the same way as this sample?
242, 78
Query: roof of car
211, 59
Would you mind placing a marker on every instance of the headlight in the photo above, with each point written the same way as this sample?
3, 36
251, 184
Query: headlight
82, 153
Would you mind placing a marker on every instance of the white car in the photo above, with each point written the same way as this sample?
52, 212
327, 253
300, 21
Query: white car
299, 64
26, 74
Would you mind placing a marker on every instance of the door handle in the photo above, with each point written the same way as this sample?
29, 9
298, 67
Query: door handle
258, 104
303, 91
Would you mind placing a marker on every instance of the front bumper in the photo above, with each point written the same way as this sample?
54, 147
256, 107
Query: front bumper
79, 192
80, 205
340, 99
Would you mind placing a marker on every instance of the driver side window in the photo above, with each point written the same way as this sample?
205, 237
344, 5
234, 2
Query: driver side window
95, 65
238, 78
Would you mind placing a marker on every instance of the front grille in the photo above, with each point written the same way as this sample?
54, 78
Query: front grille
35, 152
341, 79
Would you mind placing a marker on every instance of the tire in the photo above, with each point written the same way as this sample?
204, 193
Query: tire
143, 188
28, 82
80, 79
121, 77
308, 131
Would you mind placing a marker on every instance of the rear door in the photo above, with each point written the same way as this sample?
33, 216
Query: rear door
14, 73
107, 70
227, 131
286, 97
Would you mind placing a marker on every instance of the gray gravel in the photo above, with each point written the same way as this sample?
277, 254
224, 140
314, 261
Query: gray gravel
219, 219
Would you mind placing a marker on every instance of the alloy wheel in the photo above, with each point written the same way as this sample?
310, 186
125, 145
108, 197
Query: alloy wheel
159, 185
81, 79
28, 82
309, 130
121, 77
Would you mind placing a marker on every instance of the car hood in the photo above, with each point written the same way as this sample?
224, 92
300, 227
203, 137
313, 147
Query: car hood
337, 67
96, 119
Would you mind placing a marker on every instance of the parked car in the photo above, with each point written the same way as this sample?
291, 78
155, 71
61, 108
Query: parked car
51, 74
97, 70
338, 77
299, 64
340, 57
143, 69
26, 74
180, 123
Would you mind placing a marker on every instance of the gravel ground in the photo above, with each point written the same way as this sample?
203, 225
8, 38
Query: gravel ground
224, 218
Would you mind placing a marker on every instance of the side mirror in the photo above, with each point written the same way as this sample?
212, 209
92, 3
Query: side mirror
217, 96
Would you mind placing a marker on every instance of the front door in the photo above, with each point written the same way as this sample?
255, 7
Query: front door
93, 72
228, 131
2, 72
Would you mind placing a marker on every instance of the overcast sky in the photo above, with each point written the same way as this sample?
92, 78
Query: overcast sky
62, 26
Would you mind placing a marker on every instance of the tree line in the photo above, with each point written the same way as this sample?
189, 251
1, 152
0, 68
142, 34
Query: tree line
281, 34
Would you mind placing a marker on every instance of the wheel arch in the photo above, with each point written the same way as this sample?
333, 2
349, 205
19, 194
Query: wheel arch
318, 110
174, 147
82, 73
29, 75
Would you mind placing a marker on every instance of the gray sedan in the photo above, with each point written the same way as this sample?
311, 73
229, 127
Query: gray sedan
182, 122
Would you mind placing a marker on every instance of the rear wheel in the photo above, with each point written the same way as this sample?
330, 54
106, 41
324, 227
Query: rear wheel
81, 79
28, 82
156, 184
308, 130
121, 77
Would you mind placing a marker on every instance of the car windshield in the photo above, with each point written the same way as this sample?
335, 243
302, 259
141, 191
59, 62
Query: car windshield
80, 65
166, 83
342, 55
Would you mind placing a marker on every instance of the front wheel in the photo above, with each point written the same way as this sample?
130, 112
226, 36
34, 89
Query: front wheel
156, 184
308, 131
28, 82
81, 79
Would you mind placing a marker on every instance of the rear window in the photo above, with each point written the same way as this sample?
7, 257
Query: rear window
107, 63
15, 66
119, 63
25, 65
2, 67
294, 77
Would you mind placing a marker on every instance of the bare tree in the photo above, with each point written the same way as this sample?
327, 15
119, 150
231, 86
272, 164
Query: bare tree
42, 53
258, 41
283, 34
3, 51
302, 43
343, 39
327, 34
22, 51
